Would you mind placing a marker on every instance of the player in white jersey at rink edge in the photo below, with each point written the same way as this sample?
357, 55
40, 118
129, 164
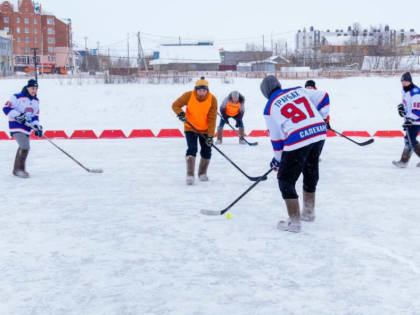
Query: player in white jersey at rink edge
409, 109
295, 121
22, 111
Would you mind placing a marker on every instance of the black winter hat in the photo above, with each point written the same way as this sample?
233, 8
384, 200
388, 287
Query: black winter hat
407, 77
268, 85
32, 83
310, 83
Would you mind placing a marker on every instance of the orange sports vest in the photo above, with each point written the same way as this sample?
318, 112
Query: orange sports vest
197, 112
233, 109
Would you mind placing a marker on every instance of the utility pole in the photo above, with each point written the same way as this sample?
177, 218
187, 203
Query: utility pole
35, 64
86, 55
141, 54
263, 43
128, 54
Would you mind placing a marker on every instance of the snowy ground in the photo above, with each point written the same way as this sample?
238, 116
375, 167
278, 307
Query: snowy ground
356, 103
132, 241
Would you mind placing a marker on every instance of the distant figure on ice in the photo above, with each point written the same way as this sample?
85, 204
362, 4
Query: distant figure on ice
201, 112
23, 112
311, 85
233, 106
410, 111
295, 120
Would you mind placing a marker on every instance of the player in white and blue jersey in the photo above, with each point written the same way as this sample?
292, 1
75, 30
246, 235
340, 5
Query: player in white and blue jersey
295, 118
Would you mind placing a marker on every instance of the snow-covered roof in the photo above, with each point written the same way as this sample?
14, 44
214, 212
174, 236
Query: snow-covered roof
187, 54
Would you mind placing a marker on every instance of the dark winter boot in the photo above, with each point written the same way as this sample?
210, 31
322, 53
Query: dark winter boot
219, 135
417, 149
293, 223
202, 170
308, 212
190, 169
241, 135
405, 157
19, 167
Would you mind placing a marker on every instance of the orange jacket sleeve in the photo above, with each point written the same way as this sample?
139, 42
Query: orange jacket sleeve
212, 116
181, 102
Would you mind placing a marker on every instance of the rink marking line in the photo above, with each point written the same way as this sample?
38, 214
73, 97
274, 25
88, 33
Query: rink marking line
177, 133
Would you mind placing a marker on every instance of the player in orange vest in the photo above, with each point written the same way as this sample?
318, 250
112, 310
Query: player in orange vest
201, 112
233, 106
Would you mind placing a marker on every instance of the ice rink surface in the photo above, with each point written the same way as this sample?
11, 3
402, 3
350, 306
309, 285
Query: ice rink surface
132, 240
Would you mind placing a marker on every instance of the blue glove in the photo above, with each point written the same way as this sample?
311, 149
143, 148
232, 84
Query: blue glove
38, 130
275, 165
401, 110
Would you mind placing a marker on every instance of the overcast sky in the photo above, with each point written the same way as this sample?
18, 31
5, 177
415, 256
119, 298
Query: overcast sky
230, 23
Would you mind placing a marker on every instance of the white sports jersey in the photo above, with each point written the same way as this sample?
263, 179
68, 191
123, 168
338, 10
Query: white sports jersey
411, 101
18, 104
295, 118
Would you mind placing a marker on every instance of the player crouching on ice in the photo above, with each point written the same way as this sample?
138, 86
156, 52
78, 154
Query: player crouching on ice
410, 111
201, 113
23, 112
233, 106
295, 120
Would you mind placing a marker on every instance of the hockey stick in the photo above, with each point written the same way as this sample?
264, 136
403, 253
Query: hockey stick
358, 143
242, 138
224, 155
221, 212
90, 170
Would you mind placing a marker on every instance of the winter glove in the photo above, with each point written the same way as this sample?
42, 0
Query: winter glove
401, 110
209, 140
181, 117
24, 118
327, 122
274, 164
407, 124
38, 130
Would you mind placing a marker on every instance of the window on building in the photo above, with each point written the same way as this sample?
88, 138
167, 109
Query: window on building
22, 59
35, 30
18, 30
50, 21
26, 20
7, 29
51, 31
36, 40
6, 19
27, 50
51, 40
27, 39
18, 39
51, 58
35, 21
18, 20
26, 30
51, 49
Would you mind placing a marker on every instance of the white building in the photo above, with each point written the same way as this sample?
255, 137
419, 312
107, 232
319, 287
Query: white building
187, 57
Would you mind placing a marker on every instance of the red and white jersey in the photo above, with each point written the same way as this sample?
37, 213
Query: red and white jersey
295, 118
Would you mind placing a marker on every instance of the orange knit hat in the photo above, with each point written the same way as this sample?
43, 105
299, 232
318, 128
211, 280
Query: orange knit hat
202, 84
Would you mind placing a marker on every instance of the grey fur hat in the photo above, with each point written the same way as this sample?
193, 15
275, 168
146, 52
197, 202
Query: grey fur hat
268, 85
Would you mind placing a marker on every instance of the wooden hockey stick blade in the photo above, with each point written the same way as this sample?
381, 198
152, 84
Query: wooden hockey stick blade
210, 212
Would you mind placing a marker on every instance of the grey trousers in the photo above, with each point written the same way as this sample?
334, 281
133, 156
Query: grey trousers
22, 140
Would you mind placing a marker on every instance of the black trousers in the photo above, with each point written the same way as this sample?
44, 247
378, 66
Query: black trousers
192, 138
301, 161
